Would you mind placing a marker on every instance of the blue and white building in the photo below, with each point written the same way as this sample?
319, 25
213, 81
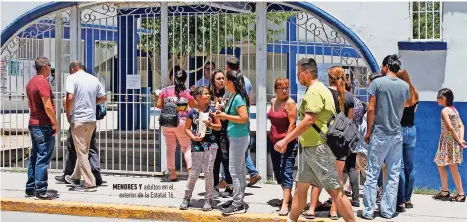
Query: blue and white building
111, 38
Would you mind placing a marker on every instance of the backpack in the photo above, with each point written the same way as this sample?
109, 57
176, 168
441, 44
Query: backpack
342, 135
169, 115
101, 111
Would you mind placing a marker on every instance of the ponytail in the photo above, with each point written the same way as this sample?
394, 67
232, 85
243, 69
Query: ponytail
239, 83
179, 81
338, 79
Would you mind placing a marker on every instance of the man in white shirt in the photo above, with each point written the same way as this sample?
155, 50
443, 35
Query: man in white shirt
208, 68
84, 91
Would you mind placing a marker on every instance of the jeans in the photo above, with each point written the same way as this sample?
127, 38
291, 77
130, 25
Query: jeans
202, 161
237, 149
283, 164
248, 161
43, 143
407, 175
383, 148
94, 159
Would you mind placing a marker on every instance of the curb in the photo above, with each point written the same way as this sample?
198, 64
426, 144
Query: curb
130, 212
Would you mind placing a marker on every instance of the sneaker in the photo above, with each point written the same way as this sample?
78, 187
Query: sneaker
61, 179
30, 194
254, 180
228, 192
227, 204
400, 209
185, 204
360, 214
408, 205
71, 181
234, 210
85, 189
207, 205
46, 196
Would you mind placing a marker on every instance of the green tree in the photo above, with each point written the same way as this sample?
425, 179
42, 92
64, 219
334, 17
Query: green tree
204, 33
426, 19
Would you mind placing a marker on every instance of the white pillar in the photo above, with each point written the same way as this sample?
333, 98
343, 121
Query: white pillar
261, 81
58, 73
164, 72
75, 33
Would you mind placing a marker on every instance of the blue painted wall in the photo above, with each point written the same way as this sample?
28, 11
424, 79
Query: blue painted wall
428, 123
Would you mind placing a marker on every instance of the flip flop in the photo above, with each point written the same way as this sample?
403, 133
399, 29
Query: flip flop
284, 212
309, 216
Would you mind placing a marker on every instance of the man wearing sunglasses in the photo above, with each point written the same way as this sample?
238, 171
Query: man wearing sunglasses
208, 68
43, 128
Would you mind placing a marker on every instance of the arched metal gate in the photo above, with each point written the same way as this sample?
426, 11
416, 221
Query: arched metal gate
132, 47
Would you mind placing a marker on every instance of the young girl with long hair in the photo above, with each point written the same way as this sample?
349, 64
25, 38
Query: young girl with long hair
203, 148
181, 96
451, 143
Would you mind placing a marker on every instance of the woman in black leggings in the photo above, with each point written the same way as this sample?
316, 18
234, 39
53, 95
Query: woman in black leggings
217, 90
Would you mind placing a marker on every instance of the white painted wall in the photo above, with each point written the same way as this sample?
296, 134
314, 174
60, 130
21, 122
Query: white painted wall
455, 34
379, 24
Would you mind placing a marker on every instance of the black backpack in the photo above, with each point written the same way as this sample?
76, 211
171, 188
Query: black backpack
342, 135
169, 115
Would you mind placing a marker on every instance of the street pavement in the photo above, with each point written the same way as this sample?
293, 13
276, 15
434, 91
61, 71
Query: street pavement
261, 199
36, 217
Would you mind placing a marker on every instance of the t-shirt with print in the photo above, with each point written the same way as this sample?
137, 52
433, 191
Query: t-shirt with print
391, 94
318, 100
209, 140
168, 95
85, 88
37, 88
237, 129
348, 101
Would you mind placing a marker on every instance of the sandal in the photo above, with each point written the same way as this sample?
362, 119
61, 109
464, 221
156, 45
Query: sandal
333, 217
309, 216
440, 195
458, 198
284, 212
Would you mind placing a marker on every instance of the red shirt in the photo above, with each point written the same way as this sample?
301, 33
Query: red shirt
36, 88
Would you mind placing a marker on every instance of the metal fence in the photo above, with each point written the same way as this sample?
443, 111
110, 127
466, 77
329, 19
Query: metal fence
427, 20
132, 46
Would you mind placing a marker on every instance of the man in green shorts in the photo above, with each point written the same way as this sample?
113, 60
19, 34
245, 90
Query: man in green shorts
316, 162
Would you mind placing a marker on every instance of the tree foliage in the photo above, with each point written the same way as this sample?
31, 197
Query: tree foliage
206, 33
426, 20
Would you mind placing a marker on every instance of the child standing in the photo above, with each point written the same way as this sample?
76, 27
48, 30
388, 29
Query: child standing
203, 149
451, 143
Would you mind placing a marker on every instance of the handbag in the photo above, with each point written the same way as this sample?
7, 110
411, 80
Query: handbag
224, 139
101, 111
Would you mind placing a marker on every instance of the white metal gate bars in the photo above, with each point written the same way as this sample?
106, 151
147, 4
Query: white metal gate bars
132, 46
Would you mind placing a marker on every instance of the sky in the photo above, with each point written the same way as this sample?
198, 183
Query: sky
12, 10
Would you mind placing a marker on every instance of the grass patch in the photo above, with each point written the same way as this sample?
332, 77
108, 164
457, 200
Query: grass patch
18, 170
428, 191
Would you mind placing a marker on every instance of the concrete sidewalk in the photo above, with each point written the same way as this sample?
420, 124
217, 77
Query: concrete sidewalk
114, 199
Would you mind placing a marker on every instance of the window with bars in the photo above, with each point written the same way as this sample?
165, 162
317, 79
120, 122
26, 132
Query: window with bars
427, 19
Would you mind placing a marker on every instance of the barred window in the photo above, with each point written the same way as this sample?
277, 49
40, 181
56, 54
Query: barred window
427, 20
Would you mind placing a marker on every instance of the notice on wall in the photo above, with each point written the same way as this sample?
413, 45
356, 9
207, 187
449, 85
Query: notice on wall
133, 81
322, 76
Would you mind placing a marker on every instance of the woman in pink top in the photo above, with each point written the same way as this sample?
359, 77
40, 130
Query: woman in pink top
181, 96
283, 115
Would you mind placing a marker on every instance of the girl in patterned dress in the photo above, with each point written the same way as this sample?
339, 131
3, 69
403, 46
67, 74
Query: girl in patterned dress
451, 143
203, 149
